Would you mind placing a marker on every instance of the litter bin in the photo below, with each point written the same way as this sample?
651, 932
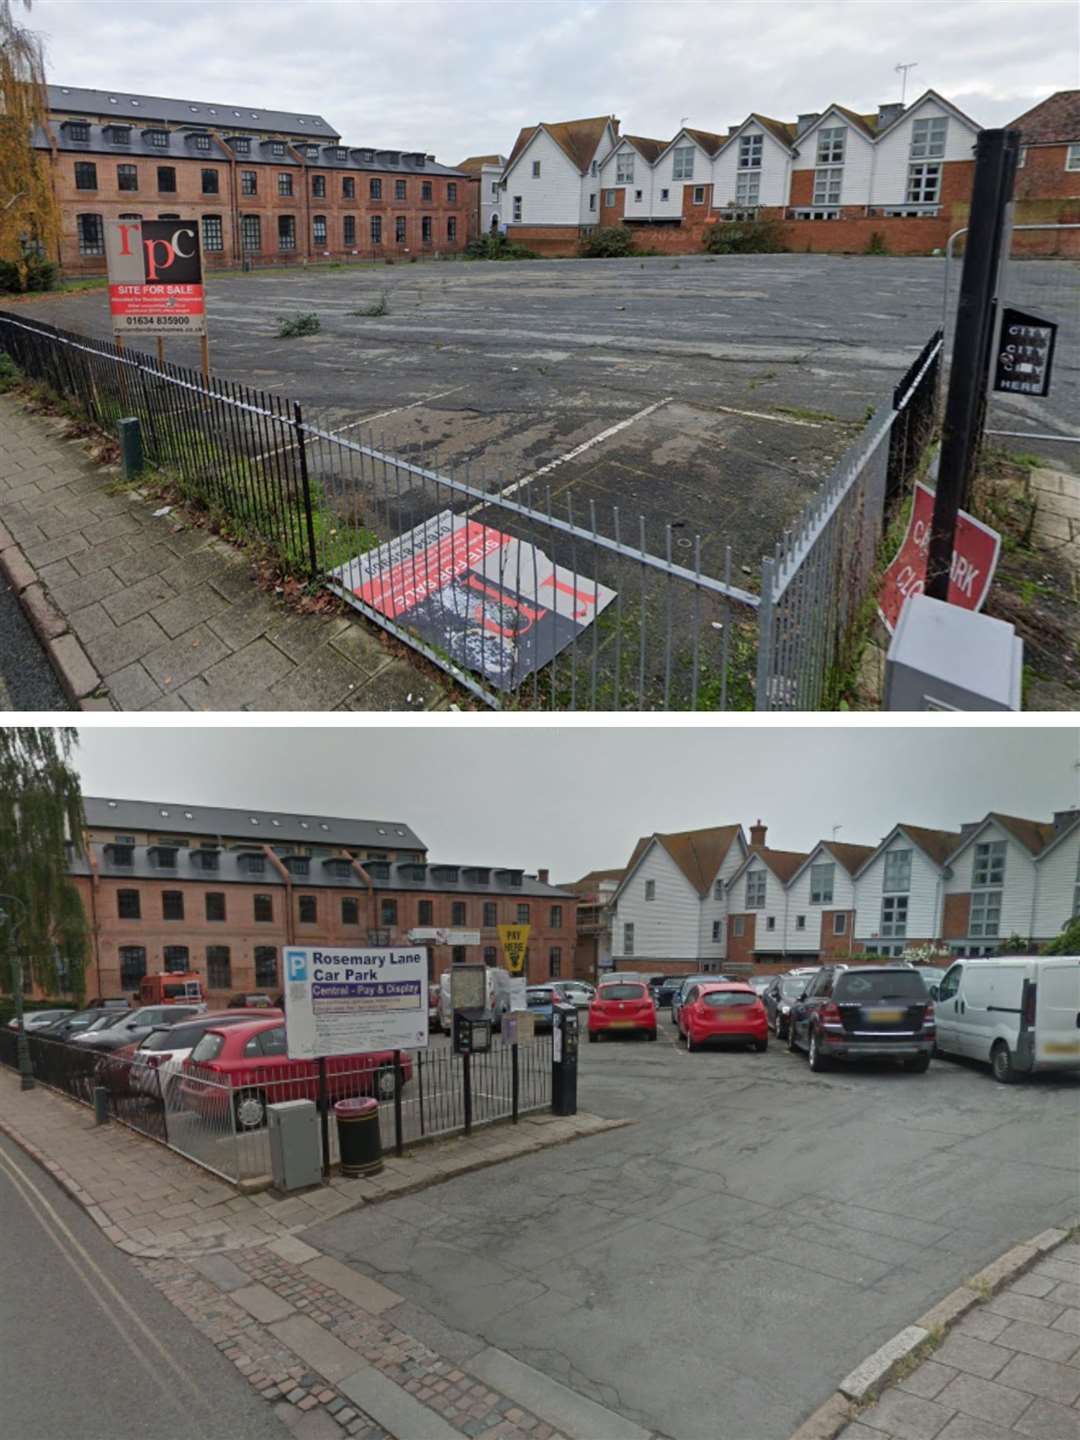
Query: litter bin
358, 1136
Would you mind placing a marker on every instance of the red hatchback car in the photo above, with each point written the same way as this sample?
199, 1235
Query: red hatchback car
622, 1005
723, 1012
251, 1058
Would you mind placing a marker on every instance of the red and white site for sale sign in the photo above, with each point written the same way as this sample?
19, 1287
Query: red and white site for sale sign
974, 560
155, 277
495, 604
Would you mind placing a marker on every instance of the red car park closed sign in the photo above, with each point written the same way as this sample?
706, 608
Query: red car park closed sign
974, 560
155, 277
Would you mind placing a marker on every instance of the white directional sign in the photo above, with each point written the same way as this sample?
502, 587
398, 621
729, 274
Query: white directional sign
351, 1002
434, 936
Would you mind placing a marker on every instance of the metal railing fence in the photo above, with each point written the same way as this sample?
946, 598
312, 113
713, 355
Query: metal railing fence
819, 577
133, 1091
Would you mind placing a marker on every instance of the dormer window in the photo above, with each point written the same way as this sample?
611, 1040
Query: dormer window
253, 864
298, 865
78, 130
158, 138
204, 859
277, 147
119, 134
201, 142
241, 145
339, 868
378, 869
122, 856
340, 152
163, 857
412, 872
445, 874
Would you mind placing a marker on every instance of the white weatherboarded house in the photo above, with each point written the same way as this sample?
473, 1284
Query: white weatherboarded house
685, 163
900, 891
552, 171
753, 166
628, 169
758, 897
671, 904
821, 901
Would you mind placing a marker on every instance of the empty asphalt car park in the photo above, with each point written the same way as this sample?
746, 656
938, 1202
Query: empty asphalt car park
714, 1268
713, 393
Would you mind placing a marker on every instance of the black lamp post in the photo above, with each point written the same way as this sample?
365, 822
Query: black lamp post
7, 902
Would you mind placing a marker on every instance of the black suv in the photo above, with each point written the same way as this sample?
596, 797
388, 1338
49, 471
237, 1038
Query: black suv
853, 1010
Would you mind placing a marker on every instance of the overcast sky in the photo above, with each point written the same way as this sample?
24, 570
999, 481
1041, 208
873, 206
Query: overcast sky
461, 78
574, 800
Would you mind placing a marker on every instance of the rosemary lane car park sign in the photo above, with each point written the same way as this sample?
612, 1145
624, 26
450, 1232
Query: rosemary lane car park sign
155, 277
974, 560
493, 603
349, 1002
1025, 354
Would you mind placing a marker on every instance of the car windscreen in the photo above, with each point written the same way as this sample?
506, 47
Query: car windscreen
622, 992
540, 997
208, 1048
176, 1037
721, 999
106, 1022
793, 988
868, 988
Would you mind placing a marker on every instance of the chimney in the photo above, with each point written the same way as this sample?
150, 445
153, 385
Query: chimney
757, 834
1064, 818
805, 121
886, 114
542, 876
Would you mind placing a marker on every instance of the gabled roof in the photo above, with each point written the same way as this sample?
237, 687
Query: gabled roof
936, 845
76, 100
708, 141
933, 95
589, 882
782, 130
649, 150
1054, 121
698, 853
475, 163
782, 863
577, 139
1035, 835
851, 857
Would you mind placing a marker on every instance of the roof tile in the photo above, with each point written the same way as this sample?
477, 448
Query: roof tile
1055, 121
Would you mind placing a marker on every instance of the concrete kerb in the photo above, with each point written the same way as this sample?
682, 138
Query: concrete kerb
908, 1347
79, 679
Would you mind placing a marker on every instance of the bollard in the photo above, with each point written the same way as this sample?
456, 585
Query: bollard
131, 448
101, 1105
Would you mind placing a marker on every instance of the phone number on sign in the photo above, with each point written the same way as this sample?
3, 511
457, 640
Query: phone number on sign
182, 320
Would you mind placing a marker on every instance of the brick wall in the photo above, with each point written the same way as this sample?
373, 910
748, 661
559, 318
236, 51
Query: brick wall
835, 947
954, 923
553, 240
740, 948
241, 933
1043, 175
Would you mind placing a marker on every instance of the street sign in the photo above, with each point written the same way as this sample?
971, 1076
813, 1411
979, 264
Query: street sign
155, 277
974, 559
350, 1002
436, 936
468, 987
1025, 354
514, 940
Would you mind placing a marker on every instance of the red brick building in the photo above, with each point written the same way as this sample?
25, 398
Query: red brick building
267, 187
221, 892
1048, 181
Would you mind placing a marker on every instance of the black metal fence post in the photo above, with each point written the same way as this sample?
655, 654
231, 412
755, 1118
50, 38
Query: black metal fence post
515, 1083
301, 450
996, 154
420, 1087
466, 1089
399, 1140
324, 1118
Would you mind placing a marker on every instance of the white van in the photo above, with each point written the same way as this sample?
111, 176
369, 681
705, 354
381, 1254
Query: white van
1019, 1013
498, 997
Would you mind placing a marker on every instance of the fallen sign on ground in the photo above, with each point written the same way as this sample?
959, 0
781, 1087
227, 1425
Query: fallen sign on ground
493, 603
974, 560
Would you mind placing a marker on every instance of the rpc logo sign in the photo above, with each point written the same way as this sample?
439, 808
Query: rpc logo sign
155, 276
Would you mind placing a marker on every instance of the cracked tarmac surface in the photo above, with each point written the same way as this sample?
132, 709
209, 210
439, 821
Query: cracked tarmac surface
716, 1268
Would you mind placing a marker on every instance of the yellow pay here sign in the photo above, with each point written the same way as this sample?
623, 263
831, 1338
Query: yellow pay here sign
514, 940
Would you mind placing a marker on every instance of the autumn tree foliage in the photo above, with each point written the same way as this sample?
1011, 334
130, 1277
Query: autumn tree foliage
28, 215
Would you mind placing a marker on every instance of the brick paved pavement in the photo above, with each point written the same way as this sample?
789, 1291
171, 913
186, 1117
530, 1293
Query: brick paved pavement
143, 612
317, 1338
1009, 1369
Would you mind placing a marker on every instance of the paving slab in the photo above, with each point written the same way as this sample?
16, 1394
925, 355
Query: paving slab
317, 1347
367, 1293
568, 1411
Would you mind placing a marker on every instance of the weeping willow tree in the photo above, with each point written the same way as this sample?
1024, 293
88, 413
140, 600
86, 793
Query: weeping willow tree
40, 810
29, 221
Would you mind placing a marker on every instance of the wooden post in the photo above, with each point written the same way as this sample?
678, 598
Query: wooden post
206, 357
161, 349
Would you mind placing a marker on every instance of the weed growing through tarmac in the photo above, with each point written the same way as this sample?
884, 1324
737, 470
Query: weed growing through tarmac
380, 307
297, 325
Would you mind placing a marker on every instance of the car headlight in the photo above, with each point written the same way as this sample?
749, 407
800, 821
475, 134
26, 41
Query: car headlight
785, 1009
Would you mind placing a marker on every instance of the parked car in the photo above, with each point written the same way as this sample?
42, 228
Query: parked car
134, 1026
688, 980
781, 994
759, 983
622, 1005
251, 1058
861, 1010
38, 1019
94, 1017
251, 1002
541, 1001
1018, 1013
497, 997
575, 992
723, 1012
666, 992
158, 1057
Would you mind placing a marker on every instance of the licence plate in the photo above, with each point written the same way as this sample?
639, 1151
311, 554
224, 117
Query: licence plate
622, 1025
730, 1012
1061, 1047
884, 1016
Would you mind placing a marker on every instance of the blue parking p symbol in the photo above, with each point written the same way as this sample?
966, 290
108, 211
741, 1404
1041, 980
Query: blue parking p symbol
296, 963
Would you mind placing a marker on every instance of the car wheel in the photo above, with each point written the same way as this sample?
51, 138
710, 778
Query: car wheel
689, 1041
918, 1065
593, 1038
650, 1034
761, 1045
385, 1085
818, 1063
249, 1106
782, 1027
1001, 1063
